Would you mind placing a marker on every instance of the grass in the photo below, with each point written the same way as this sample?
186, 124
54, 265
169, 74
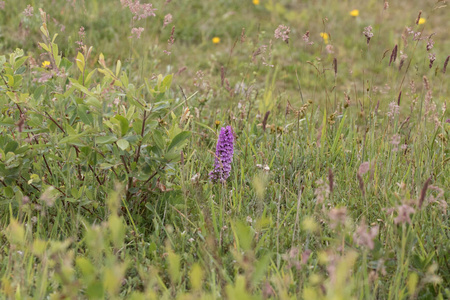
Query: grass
339, 185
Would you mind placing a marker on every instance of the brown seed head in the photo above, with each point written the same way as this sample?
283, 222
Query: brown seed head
426, 83
264, 122
418, 18
243, 35
445, 65
424, 192
393, 55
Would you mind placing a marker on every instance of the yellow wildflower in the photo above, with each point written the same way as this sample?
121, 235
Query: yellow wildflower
422, 21
325, 37
256, 2
216, 40
46, 64
354, 13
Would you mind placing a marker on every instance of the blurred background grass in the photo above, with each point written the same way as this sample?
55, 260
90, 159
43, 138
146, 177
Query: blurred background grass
108, 30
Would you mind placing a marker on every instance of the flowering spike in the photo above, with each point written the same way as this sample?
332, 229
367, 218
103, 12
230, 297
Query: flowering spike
224, 155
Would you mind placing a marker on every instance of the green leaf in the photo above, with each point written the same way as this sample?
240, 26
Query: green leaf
137, 126
10, 80
85, 117
158, 139
123, 144
22, 149
69, 92
166, 83
106, 72
80, 87
38, 92
75, 192
11, 147
124, 79
107, 139
89, 76
45, 47
80, 62
106, 166
94, 102
20, 62
66, 64
72, 139
118, 67
124, 125
173, 156
179, 139
17, 81
20, 70
8, 191
8, 122
55, 54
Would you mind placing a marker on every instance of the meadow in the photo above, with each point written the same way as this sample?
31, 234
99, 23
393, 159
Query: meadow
224, 149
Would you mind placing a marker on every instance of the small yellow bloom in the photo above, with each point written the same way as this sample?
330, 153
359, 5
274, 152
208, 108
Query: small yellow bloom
217, 122
216, 40
46, 64
256, 2
422, 21
325, 37
354, 13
